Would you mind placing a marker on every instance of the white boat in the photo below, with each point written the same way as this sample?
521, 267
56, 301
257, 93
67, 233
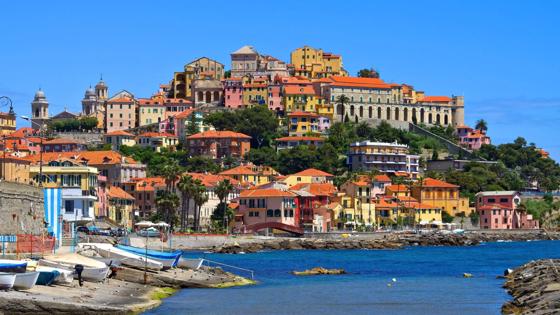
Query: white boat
94, 271
65, 276
126, 258
7, 280
191, 263
26, 280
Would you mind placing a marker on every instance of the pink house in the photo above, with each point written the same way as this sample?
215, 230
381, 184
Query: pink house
233, 93
102, 197
499, 210
275, 98
472, 139
261, 209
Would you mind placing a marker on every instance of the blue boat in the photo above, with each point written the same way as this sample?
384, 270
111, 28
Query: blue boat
16, 266
168, 259
47, 277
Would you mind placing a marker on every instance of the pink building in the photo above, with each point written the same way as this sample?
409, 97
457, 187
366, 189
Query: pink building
472, 139
102, 205
233, 93
275, 98
261, 209
63, 145
120, 113
499, 210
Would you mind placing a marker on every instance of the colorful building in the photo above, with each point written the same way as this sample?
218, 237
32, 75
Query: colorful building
301, 98
389, 158
303, 123
150, 111
500, 210
313, 200
120, 207
185, 118
308, 176
145, 191
251, 174
275, 97
201, 68
442, 195
255, 93
219, 144
13, 168
315, 63
292, 142
472, 139
119, 138
63, 145
7, 122
121, 112
233, 93
157, 141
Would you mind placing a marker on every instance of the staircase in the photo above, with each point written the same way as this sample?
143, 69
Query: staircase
451, 147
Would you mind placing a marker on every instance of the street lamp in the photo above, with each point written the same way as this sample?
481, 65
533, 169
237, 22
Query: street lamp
41, 135
11, 112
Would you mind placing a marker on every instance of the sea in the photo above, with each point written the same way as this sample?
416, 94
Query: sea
415, 280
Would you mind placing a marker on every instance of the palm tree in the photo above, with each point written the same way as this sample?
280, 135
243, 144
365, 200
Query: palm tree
341, 100
171, 172
167, 204
371, 176
185, 186
481, 125
223, 189
199, 197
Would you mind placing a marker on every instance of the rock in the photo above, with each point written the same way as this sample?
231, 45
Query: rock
551, 287
319, 271
467, 275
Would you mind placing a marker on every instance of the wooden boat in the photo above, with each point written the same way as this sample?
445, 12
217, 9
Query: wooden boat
47, 277
126, 258
25, 281
17, 266
190, 263
94, 271
7, 280
167, 259
64, 277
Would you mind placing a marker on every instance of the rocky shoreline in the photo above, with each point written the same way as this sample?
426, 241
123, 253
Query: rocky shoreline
535, 288
388, 241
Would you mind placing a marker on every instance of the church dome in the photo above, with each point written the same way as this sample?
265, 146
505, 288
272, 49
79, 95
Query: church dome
39, 94
100, 84
90, 92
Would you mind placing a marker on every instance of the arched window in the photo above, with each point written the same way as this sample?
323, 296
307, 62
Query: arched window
445, 120
397, 113
414, 117
208, 97
216, 96
369, 100
405, 114
422, 115
378, 112
200, 96
352, 110
429, 118
370, 112
352, 98
361, 99
269, 213
438, 120
388, 113
378, 100
277, 213
361, 111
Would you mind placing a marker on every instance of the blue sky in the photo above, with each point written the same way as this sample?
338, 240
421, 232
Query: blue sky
501, 55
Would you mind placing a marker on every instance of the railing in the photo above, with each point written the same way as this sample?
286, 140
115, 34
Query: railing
230, 266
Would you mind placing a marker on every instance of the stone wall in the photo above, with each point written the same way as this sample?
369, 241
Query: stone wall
89, 138
21, 209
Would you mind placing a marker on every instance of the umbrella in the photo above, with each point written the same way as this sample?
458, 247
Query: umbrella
161, 224
145, 224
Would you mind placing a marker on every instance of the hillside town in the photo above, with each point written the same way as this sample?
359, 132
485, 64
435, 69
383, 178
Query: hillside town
270, 147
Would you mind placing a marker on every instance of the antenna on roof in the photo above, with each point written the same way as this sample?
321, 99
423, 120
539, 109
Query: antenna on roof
101, 76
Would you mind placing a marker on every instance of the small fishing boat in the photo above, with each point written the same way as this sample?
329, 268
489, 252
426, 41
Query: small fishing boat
64, 276
126, 258
94, 271
47, 277
167, 259
7, 280
17, 266
190, 263
25, 281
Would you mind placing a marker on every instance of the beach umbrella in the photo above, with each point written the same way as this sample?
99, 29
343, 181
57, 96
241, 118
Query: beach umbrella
162, 224
145, 224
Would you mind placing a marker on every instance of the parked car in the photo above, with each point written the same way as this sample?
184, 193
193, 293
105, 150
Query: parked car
118, 232
84, 229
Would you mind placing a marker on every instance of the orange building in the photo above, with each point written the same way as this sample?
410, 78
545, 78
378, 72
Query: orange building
219, 144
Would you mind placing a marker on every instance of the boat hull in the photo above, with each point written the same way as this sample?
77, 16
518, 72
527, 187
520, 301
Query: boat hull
15, 266
126, 258
91, 274
7, 280
64, 277
47, 277
25, 281
191, 263
168, 260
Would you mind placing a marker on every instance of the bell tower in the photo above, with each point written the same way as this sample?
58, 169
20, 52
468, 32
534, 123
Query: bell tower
39, 109
101, 90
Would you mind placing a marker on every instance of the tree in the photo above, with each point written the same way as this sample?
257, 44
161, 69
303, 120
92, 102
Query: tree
199, 197
262, 156
185, 186
192, 125
223, 189
342, 100
368, 73
171, 172
481, 125
167, 203
227, 74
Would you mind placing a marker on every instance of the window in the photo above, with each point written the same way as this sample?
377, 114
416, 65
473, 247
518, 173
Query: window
492, 200
269, 213
503, 200
277, 213
69, 206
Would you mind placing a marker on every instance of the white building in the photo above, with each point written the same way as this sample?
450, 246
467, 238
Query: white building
391, 158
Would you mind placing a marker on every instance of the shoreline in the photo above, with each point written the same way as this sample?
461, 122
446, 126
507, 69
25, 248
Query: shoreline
534, 287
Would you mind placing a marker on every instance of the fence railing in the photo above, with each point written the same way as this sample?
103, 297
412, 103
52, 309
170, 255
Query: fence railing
35, 244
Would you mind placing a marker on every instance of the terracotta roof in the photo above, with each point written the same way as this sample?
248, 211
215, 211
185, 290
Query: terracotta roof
254, 85
119, 133
265, 193
148, 183
239, 170
92, 157
184, 114
218, 134
317, 189
431, 182
116, 192
299, 90
212, 180
157, 135
313, 172
121, 100
302, 114
435, 99
299, 138
359, 82
397, 188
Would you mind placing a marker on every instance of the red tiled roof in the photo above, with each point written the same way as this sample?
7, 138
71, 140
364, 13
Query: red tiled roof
212, 180
299, 90
265, 193
184, 114
359, 82
119, 133
239, 170
299, 138
121, 100
302, 114
116, 192
218, 134
431, 182
312, 172
92, 157
435, 99
397, 188
317, 189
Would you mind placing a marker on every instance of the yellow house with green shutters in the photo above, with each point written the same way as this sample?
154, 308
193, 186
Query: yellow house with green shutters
303, 123
300, 98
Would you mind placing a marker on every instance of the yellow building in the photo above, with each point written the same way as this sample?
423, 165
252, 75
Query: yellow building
64, 172
14, 169
314, 63
255, 94
7, 122
442, 195
325, 109
307, 176
251, 174
201, 68
300, 98
150, 112
157, 141
303, 123
120, 207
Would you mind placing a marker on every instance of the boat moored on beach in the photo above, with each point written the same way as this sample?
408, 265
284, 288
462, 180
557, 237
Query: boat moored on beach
126, 258
94, 271
16, 266
167, 259
191, 263
64, 276
26, 280
7, 280
47, 277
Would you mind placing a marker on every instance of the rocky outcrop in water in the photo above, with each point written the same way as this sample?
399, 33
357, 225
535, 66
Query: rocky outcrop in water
535, 288
319, 271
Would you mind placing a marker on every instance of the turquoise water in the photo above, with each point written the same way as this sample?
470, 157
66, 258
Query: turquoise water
428, 281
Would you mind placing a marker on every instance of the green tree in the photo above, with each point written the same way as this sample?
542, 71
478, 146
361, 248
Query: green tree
481, 125
223, 190
171, 172
342, 100
192, 125
368, 73
167, 203
199, 197
185, 186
